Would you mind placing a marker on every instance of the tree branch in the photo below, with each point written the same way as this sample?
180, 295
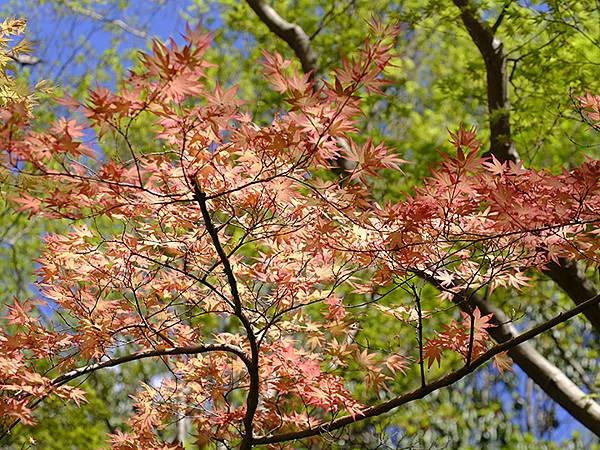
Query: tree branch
253, 368
500, 18
573, 281
25, 60
502, 146
492, 51
76, 373
99, 17
300, 42
545, 374
292, 34
512, 344
193, 350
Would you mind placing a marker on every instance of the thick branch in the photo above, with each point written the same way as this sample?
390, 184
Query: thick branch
545, 374
510, 344
292, 34
572, 280
502, 146
492, 51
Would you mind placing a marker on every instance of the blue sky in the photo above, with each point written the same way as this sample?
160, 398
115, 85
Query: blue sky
69, 42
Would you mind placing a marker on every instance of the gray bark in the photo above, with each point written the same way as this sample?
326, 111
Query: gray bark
545, 374
566, 274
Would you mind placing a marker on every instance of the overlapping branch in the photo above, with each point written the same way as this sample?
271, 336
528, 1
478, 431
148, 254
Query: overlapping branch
546, 375
511, 344
566, 274
253, 366
113, 362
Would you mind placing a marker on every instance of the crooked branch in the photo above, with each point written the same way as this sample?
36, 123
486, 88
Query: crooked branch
502, 146
193, 350
253, 367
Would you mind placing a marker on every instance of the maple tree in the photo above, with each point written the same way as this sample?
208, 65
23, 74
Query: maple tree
229, 222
